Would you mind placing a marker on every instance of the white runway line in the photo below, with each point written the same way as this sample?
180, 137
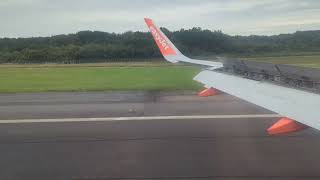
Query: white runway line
139, 118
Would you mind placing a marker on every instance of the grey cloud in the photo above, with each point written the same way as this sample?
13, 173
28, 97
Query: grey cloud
25, 18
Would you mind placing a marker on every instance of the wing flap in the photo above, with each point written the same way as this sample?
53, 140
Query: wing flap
296, 104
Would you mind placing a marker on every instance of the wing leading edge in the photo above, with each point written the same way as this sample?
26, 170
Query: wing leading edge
296, 104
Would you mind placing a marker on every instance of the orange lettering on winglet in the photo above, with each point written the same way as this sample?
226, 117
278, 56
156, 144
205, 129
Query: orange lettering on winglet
161, 41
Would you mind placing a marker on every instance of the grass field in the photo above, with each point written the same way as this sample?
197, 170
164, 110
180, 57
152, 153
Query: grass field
114, 76
45, 79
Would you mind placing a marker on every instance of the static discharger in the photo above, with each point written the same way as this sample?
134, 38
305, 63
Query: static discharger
284, 126
209, 92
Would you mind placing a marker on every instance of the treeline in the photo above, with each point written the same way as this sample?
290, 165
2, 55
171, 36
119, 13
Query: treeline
94, 46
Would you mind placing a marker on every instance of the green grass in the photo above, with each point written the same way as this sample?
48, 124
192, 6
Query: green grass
156, 76
78, 78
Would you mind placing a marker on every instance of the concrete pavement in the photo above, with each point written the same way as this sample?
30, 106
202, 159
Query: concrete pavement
208, 148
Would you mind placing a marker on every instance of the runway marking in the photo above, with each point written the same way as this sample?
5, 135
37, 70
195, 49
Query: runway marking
140, 118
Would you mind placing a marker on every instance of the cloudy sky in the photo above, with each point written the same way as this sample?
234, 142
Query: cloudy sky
26, 18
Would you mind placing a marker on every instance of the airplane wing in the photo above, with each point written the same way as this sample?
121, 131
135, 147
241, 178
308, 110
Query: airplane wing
294, 104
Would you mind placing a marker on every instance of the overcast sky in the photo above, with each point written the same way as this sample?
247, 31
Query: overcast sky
27, 18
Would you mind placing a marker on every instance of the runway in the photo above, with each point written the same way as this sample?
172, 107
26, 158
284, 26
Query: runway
159, 136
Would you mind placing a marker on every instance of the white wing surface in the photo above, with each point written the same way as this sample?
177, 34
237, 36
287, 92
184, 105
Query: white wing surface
296, 104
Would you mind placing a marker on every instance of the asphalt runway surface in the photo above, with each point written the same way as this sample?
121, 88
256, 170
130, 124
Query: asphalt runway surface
172, 136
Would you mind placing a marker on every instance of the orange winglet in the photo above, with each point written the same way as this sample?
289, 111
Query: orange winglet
285, 125
161, 41
209, 92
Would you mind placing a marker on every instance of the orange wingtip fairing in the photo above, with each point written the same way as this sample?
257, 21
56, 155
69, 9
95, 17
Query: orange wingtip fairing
161, 41
209, 92
284, 126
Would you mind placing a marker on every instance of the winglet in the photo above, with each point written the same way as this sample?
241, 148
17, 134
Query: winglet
163, 43
170, 52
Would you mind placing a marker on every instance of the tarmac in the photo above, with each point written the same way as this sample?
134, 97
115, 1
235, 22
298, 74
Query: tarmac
147, 135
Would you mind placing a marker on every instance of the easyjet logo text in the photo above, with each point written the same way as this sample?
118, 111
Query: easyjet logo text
158, 38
